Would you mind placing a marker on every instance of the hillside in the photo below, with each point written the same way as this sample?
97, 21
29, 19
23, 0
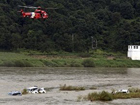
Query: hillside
114, 23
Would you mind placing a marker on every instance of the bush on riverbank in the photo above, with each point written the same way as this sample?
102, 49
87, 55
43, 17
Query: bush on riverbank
88, 63
24, 91
103, 96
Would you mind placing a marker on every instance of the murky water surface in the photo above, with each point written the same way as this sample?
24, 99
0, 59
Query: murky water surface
51, 78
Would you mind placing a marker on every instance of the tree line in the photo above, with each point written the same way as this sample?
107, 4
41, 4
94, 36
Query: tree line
115, 24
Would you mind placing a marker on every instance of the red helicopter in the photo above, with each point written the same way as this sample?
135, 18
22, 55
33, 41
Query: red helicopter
37, 14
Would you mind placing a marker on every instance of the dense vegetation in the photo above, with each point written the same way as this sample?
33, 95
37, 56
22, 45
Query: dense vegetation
114, 23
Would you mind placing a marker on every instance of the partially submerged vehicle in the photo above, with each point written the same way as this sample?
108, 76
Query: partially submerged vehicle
41, 90
15, 93
122, 91
35, 90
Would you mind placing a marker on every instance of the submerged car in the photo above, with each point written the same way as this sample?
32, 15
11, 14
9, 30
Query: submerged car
122, 91
41, 90
15, 93
35, 90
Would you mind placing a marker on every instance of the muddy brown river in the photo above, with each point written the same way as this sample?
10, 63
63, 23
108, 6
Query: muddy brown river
12, 79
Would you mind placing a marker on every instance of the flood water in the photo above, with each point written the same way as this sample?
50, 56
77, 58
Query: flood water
12, 79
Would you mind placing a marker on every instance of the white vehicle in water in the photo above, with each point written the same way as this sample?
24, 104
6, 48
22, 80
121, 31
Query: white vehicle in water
41, 90
35, 90
15, 93
122, 91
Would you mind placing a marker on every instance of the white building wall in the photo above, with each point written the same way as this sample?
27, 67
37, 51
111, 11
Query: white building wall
134, 52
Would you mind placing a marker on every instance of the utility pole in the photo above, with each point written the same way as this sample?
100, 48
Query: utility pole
72, 36
93, 43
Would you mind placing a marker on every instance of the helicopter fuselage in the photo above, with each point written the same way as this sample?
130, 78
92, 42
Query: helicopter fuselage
35, 15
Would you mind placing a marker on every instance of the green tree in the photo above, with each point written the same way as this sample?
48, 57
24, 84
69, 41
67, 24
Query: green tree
126, 10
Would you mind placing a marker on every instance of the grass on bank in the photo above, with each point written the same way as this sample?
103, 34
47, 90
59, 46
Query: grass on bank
96, 59
10, 59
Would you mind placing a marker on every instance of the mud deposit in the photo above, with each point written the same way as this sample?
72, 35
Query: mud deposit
51, 78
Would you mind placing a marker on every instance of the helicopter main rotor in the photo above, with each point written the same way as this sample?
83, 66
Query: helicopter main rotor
34, 7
